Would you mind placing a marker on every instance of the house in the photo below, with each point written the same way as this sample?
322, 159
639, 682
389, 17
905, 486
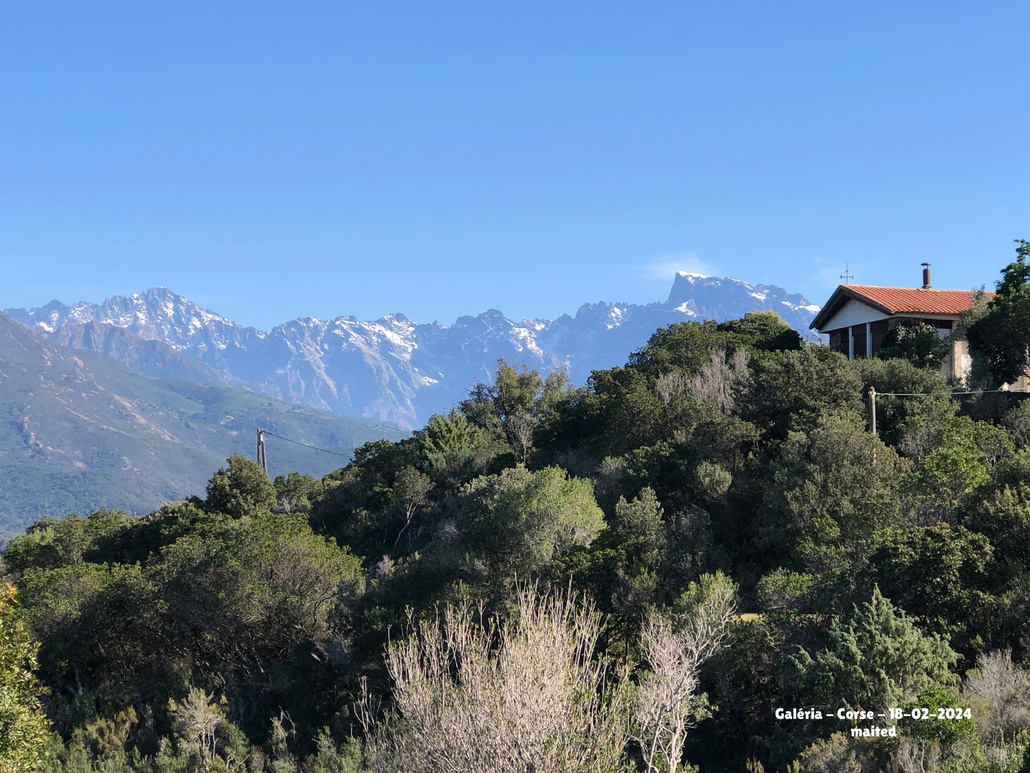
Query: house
856, 318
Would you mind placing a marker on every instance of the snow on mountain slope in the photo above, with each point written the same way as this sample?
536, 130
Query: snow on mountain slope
394, 369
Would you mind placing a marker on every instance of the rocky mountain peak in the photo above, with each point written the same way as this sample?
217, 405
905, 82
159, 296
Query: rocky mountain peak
709, 297
393, 368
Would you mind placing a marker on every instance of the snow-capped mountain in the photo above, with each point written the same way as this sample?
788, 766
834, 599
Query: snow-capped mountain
391, 369
711, 298
156, 315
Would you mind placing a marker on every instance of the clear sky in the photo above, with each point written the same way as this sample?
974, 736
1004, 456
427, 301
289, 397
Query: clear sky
272, 159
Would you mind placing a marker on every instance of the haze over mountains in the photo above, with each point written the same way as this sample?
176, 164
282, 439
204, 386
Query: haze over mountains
391, 369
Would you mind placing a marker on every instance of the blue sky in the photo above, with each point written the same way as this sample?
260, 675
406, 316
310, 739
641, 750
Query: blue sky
271, 160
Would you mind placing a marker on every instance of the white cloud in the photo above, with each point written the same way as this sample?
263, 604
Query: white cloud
664, 269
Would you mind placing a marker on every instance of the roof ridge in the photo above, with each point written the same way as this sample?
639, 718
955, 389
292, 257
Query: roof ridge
914, 289
898, 300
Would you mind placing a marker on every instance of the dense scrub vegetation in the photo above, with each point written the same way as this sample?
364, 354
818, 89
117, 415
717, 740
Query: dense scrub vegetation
711, 529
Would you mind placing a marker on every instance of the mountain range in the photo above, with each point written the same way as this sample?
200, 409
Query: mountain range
392, 369
79, 430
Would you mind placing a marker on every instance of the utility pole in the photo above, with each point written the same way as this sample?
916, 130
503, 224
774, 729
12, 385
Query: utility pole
872, 410
872, 416
262, 460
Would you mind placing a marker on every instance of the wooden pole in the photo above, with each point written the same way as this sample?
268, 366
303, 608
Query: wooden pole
872, 410
872, 416
262, 460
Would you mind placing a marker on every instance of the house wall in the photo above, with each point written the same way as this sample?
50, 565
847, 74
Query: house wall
852, 313
961, 363
879, 330
864, 337
858, 332
839, 341
943, 324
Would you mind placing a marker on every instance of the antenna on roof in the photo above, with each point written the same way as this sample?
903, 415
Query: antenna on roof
847, 275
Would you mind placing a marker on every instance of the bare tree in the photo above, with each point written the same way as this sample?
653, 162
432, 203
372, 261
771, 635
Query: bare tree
719, 379
667, 704
197, 719
519, 429
522, 696
669, 385
919, 441
916, 755
609, 475
1003, 686
836, 754
412, 489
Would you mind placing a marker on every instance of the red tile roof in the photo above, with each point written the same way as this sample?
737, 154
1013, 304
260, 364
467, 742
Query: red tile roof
897, 300
906, 300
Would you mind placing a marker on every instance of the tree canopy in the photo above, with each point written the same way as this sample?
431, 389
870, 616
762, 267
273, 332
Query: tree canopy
1000, 339
714, 516
24, 729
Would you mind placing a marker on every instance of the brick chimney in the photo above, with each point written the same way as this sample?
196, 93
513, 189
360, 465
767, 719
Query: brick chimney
926, 277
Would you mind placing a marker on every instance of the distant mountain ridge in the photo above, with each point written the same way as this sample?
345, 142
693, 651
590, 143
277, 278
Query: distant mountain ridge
391, 369
79, 430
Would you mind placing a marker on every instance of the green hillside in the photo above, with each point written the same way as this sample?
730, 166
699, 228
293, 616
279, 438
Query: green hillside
79, 431
708, 547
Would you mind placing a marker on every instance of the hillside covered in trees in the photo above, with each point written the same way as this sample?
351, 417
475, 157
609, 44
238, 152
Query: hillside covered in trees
630, 575
81, 431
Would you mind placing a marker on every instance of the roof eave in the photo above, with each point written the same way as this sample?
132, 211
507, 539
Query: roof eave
844, 293
829, 308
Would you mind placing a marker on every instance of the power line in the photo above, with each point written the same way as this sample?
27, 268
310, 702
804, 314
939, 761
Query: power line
307, 445
873, 394
262, 432
961, 392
